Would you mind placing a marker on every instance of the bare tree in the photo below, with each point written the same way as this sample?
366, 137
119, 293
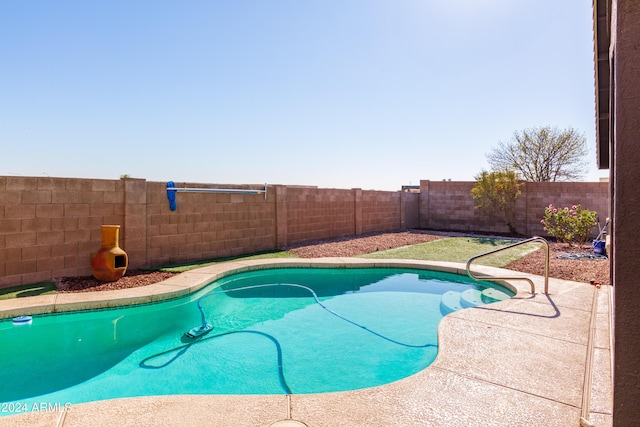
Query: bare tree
542, 154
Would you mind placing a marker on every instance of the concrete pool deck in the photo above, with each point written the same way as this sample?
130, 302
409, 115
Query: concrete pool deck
540, 360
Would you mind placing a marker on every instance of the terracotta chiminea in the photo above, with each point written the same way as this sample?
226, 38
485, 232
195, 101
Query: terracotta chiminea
110, 262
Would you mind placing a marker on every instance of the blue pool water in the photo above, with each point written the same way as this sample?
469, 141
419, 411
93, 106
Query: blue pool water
296, 330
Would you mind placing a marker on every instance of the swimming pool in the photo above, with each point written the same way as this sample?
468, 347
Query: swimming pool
275, 331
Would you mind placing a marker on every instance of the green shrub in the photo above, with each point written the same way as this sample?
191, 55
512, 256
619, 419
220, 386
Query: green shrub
495, 193
569, 225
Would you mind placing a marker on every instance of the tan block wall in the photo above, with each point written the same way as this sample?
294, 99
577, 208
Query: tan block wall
50, 226
315, 213
206, 225
448, 205
381, 211
536, 196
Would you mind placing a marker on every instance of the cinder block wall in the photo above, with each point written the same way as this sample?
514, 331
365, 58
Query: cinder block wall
448, 205
381, 210
49, 227
315, 213
205, 225
536, 196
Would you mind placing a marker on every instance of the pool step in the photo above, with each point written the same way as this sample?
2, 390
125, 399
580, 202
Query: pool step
471, 298
453, 301
450, 302
492, 295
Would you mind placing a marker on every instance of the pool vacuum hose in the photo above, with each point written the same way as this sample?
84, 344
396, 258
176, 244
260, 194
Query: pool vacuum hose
206, 327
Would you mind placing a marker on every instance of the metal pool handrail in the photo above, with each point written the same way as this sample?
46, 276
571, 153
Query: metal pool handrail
533, 288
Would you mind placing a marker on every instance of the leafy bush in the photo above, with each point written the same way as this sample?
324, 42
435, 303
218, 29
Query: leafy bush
569, 225
495, 193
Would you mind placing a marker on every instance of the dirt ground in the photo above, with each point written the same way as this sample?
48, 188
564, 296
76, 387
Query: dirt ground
565, 262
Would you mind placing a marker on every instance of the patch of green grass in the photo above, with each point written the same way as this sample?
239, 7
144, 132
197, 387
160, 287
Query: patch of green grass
460, 249
42, 288
454, 249
182, 267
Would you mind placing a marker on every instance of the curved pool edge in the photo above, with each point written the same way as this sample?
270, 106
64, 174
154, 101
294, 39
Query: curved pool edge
194, 280
519, 353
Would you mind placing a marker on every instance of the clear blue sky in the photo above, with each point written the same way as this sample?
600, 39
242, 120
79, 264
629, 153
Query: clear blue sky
373, 94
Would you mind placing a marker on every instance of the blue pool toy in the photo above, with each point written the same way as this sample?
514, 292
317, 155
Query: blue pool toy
22, 320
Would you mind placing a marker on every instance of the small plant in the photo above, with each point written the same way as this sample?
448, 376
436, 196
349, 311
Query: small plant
569, 225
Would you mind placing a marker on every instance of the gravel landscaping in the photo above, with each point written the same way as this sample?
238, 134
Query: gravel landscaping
569, 263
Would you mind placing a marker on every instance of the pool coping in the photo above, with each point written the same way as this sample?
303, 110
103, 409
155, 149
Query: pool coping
522, 361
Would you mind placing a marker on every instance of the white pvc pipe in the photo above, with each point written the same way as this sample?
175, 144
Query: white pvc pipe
215, 190
218, 190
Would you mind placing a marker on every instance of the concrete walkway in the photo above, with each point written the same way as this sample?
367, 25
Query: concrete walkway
533, 360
